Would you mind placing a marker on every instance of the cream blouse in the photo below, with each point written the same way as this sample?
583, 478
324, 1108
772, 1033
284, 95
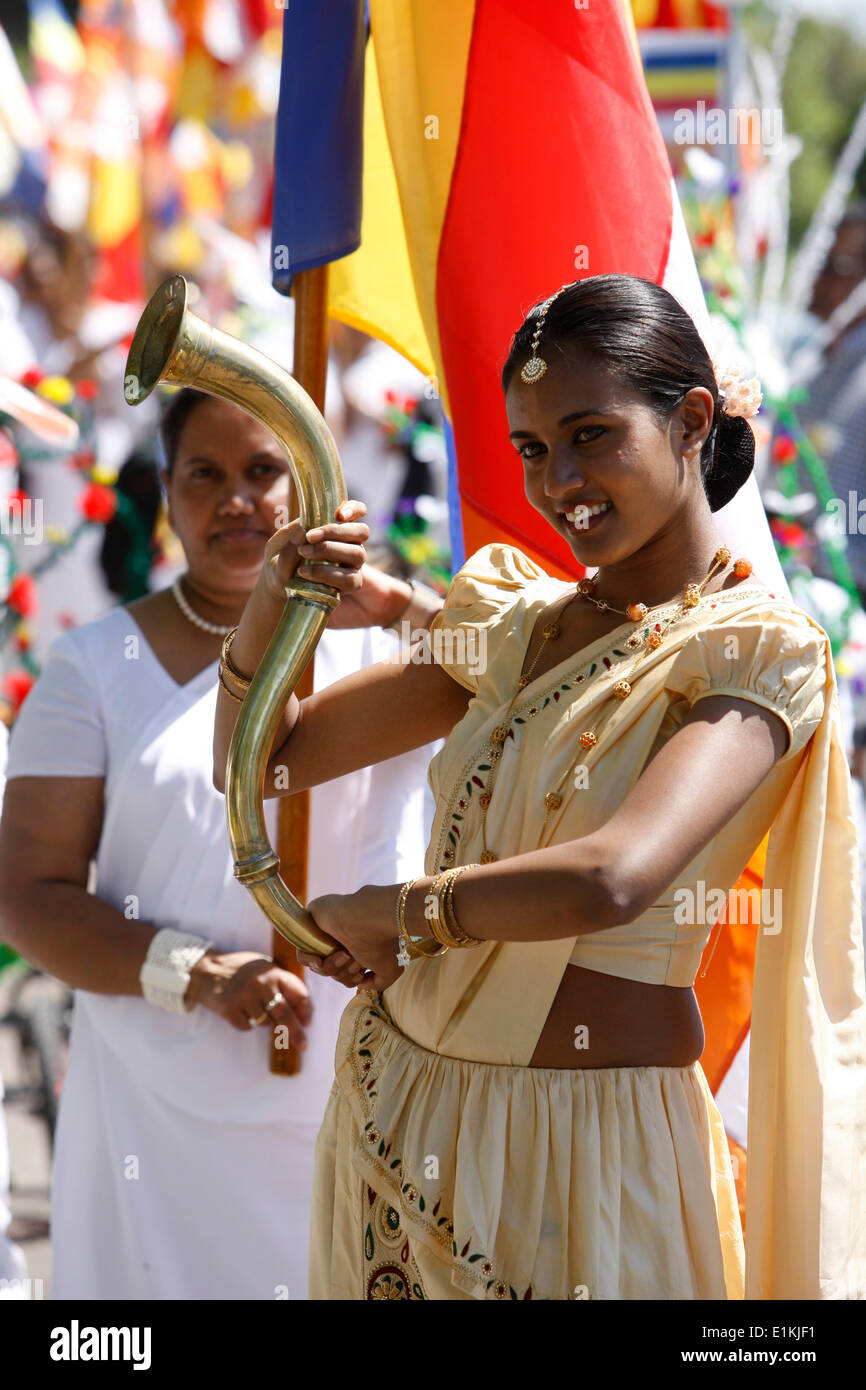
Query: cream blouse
744, 642
807, 1087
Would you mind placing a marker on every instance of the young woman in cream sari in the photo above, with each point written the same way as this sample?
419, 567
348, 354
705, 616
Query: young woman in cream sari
524, 1115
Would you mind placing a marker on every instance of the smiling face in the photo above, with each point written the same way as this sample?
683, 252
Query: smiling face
599, 464
227, 493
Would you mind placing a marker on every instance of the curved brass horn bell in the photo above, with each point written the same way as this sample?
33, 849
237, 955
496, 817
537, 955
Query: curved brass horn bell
172, 344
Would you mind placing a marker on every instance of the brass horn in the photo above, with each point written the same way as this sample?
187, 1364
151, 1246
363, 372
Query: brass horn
173, 344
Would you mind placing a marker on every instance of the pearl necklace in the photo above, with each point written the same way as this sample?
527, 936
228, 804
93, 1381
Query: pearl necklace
216, 628
635, 612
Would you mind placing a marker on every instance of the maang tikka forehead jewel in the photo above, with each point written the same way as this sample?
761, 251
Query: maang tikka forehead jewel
535, 368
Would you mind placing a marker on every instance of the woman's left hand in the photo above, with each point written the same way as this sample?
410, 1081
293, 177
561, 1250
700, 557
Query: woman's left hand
363, 923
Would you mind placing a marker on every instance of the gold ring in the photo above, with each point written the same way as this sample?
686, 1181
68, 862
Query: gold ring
254, 1022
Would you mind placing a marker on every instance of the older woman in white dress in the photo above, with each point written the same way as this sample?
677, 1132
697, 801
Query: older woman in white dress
183, 1167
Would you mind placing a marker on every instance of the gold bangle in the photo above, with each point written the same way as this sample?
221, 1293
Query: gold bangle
454, 927
401, 905
437, 931
403, 956
421, 948
231, 694
445, 926
233, 671
417, 949
437, 923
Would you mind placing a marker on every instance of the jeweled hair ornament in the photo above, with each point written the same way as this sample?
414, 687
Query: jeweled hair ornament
534, 369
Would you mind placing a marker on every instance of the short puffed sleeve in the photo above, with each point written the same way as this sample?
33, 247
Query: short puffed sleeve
59, 731
776, 657
491, 581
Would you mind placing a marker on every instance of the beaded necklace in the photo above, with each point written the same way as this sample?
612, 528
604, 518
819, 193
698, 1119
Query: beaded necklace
635, 612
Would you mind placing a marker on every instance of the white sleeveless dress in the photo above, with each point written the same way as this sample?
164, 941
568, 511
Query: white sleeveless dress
183, 1167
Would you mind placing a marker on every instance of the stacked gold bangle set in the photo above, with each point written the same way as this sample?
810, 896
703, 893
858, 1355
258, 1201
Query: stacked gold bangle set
445, 930
227, 665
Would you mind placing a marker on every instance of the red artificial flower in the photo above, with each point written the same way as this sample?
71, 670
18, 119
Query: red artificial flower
18, 495
87, 389
66, 619
788, 533
98, 503
784, 450
21, 597
8, 452
22, 639
705, 239
32, 376
17, 686
84, 460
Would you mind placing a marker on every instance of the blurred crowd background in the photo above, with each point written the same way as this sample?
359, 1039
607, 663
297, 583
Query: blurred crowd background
136, 140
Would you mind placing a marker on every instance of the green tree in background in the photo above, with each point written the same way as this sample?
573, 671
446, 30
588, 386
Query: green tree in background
824, 87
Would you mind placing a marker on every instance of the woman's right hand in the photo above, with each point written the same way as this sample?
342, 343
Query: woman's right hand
339, 544
238, 985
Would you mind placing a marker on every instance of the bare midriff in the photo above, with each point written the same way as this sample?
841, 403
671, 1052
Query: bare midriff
605, 1021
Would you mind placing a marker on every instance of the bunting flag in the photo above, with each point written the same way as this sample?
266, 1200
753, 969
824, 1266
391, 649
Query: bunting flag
505, 148
55, 48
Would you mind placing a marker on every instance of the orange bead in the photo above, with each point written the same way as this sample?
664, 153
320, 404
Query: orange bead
654, 639
742, 568
636, 612
588, 740
722, 556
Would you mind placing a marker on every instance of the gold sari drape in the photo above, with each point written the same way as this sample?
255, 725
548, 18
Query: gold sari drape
447, 1167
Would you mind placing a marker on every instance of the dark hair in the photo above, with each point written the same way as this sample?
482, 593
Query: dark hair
643, 335
127, 551
174, 417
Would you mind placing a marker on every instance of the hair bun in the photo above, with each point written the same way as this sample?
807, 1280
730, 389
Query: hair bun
733, 460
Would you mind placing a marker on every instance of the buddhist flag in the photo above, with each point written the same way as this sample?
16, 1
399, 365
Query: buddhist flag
463, 163
464, 160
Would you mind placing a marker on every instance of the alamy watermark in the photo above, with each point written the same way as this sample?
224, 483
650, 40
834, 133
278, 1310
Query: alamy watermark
462, 647
23, 516
846, 518
739, 125
746, 907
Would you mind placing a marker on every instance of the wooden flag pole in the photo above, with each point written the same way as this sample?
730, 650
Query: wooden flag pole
310, 366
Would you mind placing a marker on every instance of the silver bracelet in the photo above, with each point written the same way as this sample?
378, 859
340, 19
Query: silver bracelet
165, 973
